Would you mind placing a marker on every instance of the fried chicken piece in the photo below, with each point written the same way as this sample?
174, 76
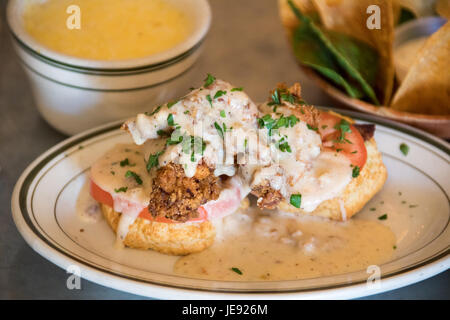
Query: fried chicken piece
178, 197
268, 198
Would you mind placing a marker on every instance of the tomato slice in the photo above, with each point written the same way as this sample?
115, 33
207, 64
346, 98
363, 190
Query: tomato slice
352, 147
105, 197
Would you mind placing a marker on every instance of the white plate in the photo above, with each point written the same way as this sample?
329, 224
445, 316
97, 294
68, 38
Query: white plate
44, 210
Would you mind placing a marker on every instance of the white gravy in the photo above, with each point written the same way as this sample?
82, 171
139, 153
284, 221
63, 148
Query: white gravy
280, 246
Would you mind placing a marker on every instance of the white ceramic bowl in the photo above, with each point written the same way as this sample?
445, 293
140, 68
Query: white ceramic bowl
75, 94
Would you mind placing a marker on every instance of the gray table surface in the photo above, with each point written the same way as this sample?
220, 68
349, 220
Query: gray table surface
246, 45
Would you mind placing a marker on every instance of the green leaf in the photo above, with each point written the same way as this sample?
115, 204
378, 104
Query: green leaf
219, 94
122, 189
219, 129
383, 217
355, 171
333, 54
234, 269
153, 160
237, 89
223, 114
132, 174
296, 200
170, 121
209, 80
404, 148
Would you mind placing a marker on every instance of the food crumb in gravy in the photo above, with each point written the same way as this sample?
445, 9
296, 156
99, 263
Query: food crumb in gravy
280, 246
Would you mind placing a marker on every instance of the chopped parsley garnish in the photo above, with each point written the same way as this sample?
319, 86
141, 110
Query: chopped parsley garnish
223, 114
234, 269
122, 189
112, 172
208, 97
170, 104
404, 148
373, 209
237, 89
343, 126
413, 205
324, 126
394, 247
153, 160
186, 112
355, 172
383, 217
209, 80
219, 129
283, 145
154, 111
170, 120
219, 94
126, 162
245, 143
311, 127
296, 200
132, 174
272, 124
282, 94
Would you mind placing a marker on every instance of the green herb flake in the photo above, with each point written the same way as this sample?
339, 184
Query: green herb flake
153, 160
208, 97
219, 129
234, 269
171, 104
132, 174
373, 209
186, 112
237, 89
355, 171
170, 121
154, 111
209, 80
296, 200
126, 162
394, 247
112, 172
122, 189
222, 114
219, 94
413, 205
383, 217
343, 126
404, 148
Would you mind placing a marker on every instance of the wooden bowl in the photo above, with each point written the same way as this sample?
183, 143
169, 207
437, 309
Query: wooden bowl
438, 125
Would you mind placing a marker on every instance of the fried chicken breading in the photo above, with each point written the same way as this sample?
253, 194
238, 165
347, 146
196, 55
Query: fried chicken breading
178, 197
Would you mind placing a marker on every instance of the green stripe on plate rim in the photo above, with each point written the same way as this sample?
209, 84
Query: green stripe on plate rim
441, 145
107, 72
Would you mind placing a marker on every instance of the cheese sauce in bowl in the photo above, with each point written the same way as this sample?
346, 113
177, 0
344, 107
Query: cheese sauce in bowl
108, 29
95, 61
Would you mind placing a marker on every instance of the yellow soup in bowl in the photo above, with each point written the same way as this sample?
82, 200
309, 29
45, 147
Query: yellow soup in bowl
107, 29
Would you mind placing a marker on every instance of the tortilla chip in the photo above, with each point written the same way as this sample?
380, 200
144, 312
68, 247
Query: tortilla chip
426, 88
443, 8
420, 8
350, 17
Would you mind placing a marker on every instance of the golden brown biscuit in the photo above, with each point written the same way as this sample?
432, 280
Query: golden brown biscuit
357, 193
169, 238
